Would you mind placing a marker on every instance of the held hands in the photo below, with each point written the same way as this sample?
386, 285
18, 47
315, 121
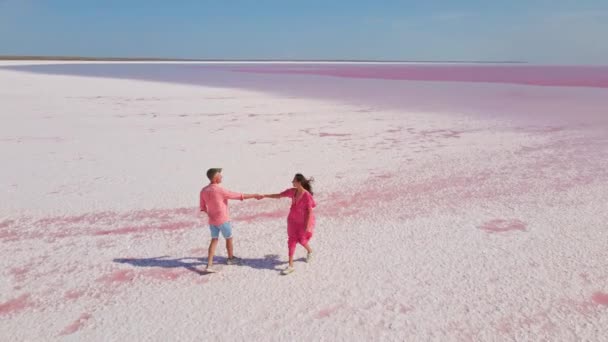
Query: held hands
259, 197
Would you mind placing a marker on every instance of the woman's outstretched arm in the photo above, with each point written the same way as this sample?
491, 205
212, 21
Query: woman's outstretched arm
271, 196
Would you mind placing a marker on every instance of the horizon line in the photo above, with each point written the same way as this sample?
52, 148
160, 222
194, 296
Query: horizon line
158, 59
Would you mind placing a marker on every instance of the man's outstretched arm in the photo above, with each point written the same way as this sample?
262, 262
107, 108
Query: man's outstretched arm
238, 196
248, 196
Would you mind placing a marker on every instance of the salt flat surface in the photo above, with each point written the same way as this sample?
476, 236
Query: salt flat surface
429, 226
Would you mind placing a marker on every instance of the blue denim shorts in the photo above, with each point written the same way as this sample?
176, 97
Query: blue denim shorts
225, 228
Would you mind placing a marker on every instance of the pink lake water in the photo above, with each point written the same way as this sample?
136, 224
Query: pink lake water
522, 93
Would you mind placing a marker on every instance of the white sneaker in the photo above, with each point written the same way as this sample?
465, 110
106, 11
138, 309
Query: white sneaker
308, 257
288, 270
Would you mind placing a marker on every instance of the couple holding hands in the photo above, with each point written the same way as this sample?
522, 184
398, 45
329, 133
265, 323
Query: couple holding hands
300, 221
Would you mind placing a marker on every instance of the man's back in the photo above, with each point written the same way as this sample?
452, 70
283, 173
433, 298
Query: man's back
214, 200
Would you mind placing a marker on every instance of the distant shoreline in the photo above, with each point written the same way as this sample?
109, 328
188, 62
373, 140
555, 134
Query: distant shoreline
149, 59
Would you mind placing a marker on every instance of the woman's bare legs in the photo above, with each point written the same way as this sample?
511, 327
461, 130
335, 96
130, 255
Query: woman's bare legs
308, 249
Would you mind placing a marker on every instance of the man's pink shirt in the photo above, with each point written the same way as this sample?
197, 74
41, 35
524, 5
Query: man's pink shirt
214, 201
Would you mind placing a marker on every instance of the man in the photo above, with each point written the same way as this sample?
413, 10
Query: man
214, 201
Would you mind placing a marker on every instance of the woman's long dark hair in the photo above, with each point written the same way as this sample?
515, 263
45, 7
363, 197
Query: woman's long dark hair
305, 182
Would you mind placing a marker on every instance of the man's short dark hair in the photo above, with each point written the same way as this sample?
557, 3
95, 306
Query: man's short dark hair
212, 172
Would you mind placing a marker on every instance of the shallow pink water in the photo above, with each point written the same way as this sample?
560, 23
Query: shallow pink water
537, 94
570, 76
549, 95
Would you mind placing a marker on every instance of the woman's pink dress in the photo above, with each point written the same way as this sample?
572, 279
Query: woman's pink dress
296, 221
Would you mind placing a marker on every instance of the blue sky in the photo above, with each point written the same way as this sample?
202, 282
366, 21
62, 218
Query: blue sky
539, 31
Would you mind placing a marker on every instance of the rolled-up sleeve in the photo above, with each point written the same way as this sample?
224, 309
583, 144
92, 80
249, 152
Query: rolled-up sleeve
288, 193
232, 195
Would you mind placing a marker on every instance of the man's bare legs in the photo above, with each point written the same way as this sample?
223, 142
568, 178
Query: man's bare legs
229, 248
212, 247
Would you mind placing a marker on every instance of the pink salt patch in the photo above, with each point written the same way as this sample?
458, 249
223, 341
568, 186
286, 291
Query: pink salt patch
9, 235
405, 308
176, 226
501, 226
15, 305
163, 274
600, 298
110, 217
122, 276
6, 223
504, 327
327, 312
74, 327
19, 273
585, 277
463, 185
124, 230
147, 228
585, 308
65, 220
73, 294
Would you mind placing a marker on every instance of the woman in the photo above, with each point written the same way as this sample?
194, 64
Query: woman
301, 219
